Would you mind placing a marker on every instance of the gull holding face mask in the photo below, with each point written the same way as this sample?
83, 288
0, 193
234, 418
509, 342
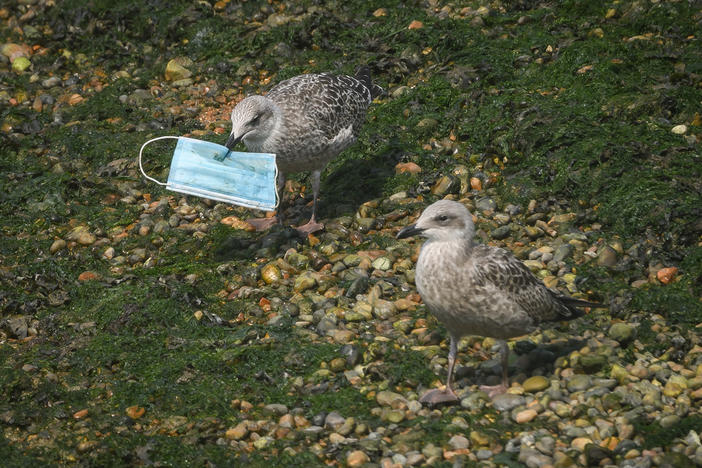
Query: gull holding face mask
209, 170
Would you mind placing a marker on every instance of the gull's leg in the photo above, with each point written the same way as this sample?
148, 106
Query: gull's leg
261, 224
312, 225
446, 394
502, 388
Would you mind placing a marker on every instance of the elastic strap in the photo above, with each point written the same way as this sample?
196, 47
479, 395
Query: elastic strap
141, 168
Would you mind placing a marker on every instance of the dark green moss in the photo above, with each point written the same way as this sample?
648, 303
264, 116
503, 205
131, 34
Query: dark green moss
656, 436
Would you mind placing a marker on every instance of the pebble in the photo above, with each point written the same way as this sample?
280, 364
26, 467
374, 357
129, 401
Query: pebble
679, 129
525, 416
535, 384
357, 458
57, 245
486, 204
507, 401
578, 383
458, 442
501, 232
621, 332
607, 257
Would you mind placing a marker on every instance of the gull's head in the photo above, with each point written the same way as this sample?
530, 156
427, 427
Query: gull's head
253, 120
444, 220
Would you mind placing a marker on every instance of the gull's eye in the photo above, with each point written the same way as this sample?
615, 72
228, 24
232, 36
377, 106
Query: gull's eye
255, 120
442, 218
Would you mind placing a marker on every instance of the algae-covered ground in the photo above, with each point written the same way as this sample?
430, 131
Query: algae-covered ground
142, 327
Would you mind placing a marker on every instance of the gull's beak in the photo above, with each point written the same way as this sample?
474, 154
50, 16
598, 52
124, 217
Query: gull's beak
409, 231
233, 140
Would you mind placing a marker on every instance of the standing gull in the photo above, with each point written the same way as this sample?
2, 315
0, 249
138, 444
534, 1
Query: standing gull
306, 121
476, 289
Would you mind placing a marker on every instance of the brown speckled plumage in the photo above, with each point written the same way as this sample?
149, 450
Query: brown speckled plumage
477, 289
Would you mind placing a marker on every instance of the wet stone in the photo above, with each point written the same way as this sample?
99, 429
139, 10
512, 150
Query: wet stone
607, 257
486, 204
594, 454
535, 384
532, 458
382, 263
357, 458
271, 273
388, 398
383, 309
501, 232
458, 442
533, 232
445, 184
304, 282
51, 82
621, 332
57, 245
334, 421
358, 286
592, 363
507, 401
579, 382
562, 252
275, 409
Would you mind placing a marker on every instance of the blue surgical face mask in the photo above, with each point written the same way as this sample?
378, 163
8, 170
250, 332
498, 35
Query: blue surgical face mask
212, 171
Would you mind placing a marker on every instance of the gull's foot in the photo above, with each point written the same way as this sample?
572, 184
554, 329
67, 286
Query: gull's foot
494, 390
309, 228
261, 224
439, 396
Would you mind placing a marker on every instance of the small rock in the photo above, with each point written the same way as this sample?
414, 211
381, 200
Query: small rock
388, 398
592, 363
175, 71
621, 332
384, 309
594, 454
407, 168
679, 129
263, 442
666, 275
669, 421
20, 64
357, 458
579, 443
270, 273
458, 442
507, 401
607, 257
525, 416
562, 252
304, 282
579, 382
88, 276
382, 263
237, 223
445, 184
501, 232
275, 409
57, 245
135, 412
476, 183
535, 384
486, 204
533, 232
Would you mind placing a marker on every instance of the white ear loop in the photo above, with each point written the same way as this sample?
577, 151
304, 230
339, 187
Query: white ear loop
141, 167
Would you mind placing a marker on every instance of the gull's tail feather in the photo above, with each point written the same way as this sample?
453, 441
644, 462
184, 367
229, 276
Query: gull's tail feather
364, 76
